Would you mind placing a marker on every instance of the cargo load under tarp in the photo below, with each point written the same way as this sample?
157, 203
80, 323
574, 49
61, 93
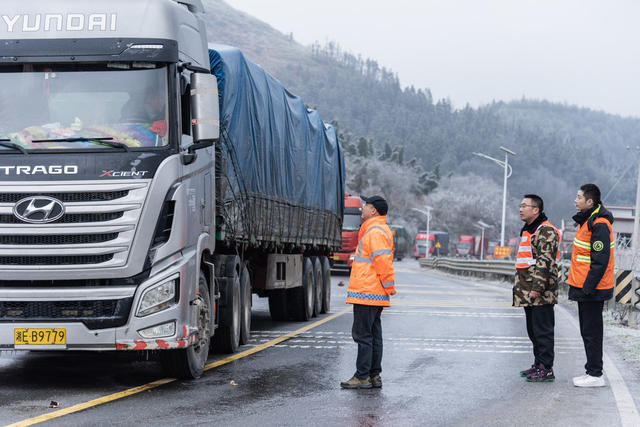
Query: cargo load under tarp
281, 176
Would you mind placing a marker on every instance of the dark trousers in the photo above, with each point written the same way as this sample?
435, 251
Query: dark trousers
367, 333
590, 314
540, 327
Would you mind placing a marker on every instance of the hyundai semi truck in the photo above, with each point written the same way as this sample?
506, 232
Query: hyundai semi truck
151, 182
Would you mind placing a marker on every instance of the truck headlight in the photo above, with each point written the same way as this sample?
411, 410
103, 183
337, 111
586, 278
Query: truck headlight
158, 298
352, 257
159, 331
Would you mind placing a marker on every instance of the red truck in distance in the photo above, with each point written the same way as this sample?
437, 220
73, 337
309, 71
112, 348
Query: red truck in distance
466, 246
352, 219
436, 242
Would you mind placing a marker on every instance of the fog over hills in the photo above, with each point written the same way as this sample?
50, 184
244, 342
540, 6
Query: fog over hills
559, 147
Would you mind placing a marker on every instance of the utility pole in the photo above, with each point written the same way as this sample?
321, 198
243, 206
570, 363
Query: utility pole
507, 173
504, 191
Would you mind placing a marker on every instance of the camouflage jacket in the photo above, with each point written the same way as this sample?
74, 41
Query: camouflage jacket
541, 277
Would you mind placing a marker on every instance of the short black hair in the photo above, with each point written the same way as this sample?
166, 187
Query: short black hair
536, 200
591, 191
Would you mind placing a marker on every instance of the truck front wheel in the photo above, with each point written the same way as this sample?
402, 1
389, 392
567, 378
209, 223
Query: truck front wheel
188, 363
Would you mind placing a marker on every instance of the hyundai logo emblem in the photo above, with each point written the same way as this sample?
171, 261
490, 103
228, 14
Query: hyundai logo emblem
38, 209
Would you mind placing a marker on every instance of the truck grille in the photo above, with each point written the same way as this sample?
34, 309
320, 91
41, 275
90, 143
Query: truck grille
97, 227
69, 218
54, 260
98, 314
70, 239
67, 197
56, 309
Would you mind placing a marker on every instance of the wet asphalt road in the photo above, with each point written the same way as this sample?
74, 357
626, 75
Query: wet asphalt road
452, 352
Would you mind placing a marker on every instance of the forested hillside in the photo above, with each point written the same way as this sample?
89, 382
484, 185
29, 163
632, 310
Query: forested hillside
558, 147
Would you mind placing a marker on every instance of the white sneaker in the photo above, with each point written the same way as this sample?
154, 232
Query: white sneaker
580, 378
588, 381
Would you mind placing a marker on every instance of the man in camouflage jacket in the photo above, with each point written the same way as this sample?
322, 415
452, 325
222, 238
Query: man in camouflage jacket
536, 285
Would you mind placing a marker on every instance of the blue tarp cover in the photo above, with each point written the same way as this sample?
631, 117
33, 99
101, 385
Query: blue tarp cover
282, 176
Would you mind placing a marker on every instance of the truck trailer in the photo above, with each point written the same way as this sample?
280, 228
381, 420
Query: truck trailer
151, 182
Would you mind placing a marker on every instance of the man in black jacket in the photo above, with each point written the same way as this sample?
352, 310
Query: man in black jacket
591, 277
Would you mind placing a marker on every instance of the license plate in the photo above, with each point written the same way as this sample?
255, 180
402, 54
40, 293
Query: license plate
40, 336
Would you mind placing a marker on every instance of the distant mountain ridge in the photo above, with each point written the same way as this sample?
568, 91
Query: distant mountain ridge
558, 147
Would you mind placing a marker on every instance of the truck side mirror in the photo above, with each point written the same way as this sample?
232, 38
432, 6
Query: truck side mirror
205, 114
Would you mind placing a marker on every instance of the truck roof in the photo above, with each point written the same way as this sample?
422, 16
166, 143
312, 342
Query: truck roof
177, 20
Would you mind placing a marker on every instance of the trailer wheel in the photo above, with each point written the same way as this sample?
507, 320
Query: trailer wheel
278, 305
245, 292
326, 285
301, 297
227, 336
317, 286
188, 363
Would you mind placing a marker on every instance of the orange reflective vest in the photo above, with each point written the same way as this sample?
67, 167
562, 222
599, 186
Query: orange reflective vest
372, 277
581, 257
525, 259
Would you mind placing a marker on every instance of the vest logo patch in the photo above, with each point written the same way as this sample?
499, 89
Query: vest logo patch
598, 246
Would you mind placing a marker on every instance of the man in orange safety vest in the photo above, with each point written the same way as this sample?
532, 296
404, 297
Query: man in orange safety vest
370, 285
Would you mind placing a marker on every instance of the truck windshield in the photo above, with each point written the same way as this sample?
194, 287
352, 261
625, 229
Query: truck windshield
65, 106
351, 222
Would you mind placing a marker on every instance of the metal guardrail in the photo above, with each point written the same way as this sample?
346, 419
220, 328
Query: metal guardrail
496, 267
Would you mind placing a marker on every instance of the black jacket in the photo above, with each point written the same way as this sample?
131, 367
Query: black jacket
599, 260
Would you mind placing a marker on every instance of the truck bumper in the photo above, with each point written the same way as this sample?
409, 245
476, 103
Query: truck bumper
341, 261
126, 337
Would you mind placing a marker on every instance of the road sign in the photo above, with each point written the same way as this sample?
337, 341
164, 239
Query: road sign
500, 252
438, 245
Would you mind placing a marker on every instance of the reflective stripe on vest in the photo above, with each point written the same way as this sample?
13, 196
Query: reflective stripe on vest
524, 258
358, 256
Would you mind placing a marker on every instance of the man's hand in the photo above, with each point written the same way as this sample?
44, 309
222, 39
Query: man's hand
534, 294
393, 293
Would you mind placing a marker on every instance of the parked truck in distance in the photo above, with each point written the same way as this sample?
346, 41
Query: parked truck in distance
436, 243
401, 241
342, 259
152, 183
466, 246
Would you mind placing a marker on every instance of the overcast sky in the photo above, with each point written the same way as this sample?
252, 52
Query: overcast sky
581, 52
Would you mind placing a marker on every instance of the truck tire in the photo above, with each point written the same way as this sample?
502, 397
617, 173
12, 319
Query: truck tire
245, 294
278, 305
300, 299
227, 336
317, 286
188, 363
326, 285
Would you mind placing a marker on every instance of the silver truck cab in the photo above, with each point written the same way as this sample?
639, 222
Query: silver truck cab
108, 117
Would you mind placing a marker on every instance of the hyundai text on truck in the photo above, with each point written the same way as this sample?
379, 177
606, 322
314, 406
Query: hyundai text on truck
151, 182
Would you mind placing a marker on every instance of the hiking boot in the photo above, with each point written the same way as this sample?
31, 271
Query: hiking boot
356, 382
588, 381
541, 375
529, 371
376, 381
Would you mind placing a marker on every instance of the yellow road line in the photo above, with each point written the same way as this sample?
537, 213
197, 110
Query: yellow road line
135, 390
